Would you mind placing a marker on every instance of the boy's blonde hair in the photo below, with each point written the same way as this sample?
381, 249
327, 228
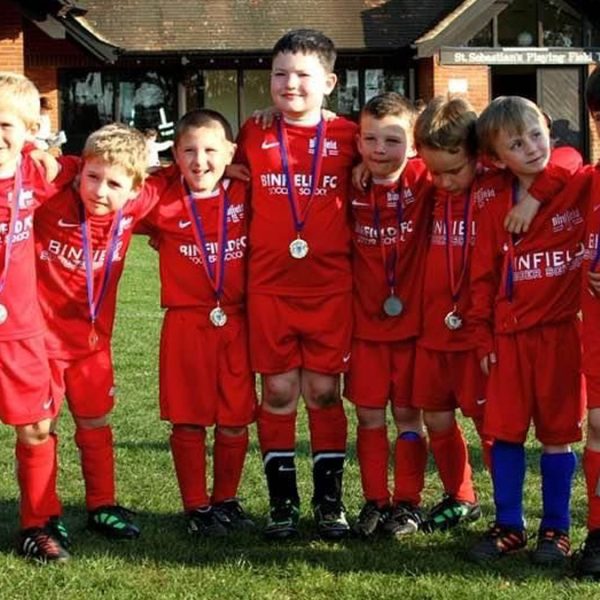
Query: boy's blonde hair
118, 144
390, 104
447, 123
18, 94
505, 113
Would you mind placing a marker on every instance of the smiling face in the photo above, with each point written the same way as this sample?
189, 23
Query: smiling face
13, 134
384, 144
299, 82
202, 153
104, 188
452, 172
527, 152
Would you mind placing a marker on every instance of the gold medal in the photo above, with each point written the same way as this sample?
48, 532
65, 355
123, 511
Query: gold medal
217, 316
298, 248
93, 338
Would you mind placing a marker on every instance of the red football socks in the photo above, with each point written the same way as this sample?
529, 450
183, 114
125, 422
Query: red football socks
36, 474
410, 461
188, 447
276, 432
97, 465
228, 462
373, 449
452, 459
328, 428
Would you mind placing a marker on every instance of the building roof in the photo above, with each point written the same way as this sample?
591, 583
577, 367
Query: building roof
177, 26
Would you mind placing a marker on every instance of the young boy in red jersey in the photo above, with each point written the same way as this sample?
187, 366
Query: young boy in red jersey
525, 298
199, 227
447, 374
81, 238
589, 558
390, 228
27, 401
299, 289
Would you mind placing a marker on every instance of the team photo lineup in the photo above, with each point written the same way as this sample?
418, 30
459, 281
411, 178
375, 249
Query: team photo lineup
423, 263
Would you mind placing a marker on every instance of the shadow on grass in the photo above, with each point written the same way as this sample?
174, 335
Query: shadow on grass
165, 543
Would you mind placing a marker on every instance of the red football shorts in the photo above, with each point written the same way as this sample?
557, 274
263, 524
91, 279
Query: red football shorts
88, 383
381, 372
26, 394
448, 380
311, 333
205, 375
537, 376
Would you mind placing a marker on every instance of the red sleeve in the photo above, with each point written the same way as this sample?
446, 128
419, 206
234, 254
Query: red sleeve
485, 279
69, 168
564, 163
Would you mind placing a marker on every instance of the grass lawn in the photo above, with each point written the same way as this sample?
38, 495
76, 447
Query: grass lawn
166, 563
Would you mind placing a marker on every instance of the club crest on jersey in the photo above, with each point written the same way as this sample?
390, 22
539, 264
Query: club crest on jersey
25, 199
566, 220
125, 223
482, 196
235, 213
330, 147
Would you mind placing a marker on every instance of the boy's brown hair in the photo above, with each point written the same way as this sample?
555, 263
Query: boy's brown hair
447, 123
118, 144
19, 95
202, 117
505, 113
390, 104
308, 41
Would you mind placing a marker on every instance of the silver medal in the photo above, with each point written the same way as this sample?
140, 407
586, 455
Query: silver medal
393, 306
453, 320
217, 316
3, 313
298, 248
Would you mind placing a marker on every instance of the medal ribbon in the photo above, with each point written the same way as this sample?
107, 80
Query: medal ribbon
466, 242
299, 216
95, 300
389, 261
595, 260
14, 213
216, 275
508, 276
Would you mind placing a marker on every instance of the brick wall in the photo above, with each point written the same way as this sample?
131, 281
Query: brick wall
11, 38
47, 83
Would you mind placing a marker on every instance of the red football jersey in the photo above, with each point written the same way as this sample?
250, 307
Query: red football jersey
545, 264
326, 268
590, 301
184, 282
61, 267
19, 296
383, 231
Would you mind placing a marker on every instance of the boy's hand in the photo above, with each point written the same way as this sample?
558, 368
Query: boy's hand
265, 116
519, 219
47, 162
361, 176
594, 283
237, 171
487, 362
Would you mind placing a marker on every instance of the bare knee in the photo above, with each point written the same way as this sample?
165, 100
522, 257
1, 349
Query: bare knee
280, 392
34, 433
370, 418
408, 419
320, 391
232, 431
439, 420
94, 423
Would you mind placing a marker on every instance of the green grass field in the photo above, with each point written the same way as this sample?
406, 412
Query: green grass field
166, 563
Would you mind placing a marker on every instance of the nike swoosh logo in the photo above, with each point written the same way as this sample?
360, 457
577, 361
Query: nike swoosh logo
596, 207
62, 223
266, 145
184, 224
480, 401
346, 358
357, 203
282, 469
47, 404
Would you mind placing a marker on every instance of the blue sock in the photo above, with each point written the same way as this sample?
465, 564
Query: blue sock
508, 477
557, 480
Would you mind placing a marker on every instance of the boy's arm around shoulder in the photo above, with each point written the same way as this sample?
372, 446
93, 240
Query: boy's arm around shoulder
565, 162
